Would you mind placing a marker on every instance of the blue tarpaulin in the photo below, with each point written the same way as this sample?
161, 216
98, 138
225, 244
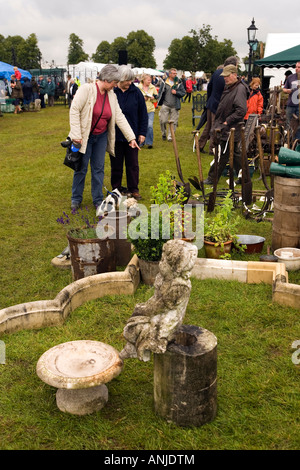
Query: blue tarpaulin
6, 70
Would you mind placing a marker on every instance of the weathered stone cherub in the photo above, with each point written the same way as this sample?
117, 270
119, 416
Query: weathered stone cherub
153, 323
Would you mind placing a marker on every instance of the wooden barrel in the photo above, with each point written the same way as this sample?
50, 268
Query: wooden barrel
286, 222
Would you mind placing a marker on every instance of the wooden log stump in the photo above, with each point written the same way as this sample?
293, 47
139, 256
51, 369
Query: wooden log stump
185, 378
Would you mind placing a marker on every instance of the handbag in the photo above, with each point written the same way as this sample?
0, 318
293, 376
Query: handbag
73, 157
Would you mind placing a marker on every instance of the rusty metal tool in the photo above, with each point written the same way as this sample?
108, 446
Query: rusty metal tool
246, 178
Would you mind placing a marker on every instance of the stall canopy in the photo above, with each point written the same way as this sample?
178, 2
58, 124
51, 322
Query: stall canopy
6, 70
287, 58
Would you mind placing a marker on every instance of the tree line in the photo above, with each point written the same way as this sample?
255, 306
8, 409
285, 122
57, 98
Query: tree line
198, 50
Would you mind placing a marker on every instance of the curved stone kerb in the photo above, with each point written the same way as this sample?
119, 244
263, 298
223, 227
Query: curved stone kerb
43, 313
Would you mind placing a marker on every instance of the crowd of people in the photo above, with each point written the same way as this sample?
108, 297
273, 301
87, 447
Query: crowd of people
115, 113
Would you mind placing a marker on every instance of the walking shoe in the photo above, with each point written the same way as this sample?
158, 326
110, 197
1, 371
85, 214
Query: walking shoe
208, 181
169, 139
136, 195
202, 150
150, 146
164, 137
75, 206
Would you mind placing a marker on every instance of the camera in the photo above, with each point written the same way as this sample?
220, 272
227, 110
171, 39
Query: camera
73, 146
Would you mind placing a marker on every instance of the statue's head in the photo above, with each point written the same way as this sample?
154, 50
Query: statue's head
178, 259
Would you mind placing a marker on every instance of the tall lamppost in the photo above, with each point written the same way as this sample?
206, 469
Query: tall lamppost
252, 45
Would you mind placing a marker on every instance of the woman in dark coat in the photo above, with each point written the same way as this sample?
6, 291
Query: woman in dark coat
132, 104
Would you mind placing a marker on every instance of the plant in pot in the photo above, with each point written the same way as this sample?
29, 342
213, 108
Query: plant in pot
91, 249
149, 232
220, 229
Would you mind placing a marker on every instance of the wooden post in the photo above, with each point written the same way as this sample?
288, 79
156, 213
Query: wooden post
185, 378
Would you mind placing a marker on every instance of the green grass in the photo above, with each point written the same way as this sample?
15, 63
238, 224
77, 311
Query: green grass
258, 401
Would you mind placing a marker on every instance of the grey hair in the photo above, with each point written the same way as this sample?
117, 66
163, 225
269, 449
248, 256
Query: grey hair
232, 60
109, 73
126, 73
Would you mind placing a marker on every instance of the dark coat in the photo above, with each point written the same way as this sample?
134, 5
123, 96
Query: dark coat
132, 104
232, 109
215, 89
27, 89
16, 91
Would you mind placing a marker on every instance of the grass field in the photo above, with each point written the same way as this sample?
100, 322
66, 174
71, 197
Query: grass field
258, 392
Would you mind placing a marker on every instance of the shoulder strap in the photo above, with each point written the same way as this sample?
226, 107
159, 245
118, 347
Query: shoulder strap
99, 114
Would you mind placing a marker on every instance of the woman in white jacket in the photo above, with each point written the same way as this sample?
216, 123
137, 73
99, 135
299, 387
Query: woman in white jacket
94, 100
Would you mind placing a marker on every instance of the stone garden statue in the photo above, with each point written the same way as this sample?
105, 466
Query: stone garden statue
153, 324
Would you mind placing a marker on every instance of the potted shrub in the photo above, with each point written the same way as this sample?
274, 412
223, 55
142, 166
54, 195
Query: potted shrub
147, 247
92, 251
220, 230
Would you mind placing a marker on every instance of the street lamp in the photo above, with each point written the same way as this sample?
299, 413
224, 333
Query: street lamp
252, 45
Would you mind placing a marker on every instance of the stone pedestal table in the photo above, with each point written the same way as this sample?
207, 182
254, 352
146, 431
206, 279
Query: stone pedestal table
80, 370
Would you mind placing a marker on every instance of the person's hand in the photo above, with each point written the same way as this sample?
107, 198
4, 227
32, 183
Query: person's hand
133, 144
141, 139
78, 141
173, 91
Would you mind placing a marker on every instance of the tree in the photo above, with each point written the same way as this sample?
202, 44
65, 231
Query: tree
200, 51
102, 54
182, 54
140, 48
30, 53
76, 53
119, 44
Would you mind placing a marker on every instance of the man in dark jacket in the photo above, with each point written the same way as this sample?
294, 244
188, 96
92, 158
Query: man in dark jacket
231, 111
132, 104
215, 89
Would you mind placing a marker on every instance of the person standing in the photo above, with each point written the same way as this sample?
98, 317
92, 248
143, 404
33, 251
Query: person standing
42, 90
35, 89
132, 104
50, 91
150, 94
231, 111
189, 89
27, 93
255, 102
67, 89
93, 116
291, 87
169, 98
16, 93
215, 89
72, 91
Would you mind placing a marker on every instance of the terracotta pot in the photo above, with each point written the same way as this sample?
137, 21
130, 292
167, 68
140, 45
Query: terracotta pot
212, 251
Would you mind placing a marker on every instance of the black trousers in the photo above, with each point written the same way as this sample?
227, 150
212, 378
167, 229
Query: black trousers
123, 152
224, 159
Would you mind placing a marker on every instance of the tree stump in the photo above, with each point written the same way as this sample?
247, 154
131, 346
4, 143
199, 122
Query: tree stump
185, 378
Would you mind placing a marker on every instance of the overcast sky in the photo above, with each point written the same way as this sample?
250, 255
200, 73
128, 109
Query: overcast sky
95, 20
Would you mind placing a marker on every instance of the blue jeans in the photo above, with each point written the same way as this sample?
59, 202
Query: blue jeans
149, 135
95, 153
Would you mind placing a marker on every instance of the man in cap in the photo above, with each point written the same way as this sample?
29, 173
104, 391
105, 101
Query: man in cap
231, 111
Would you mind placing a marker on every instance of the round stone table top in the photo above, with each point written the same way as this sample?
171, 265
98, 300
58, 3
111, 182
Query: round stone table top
79, 364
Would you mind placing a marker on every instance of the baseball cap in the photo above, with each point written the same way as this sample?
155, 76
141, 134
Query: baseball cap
228, 69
